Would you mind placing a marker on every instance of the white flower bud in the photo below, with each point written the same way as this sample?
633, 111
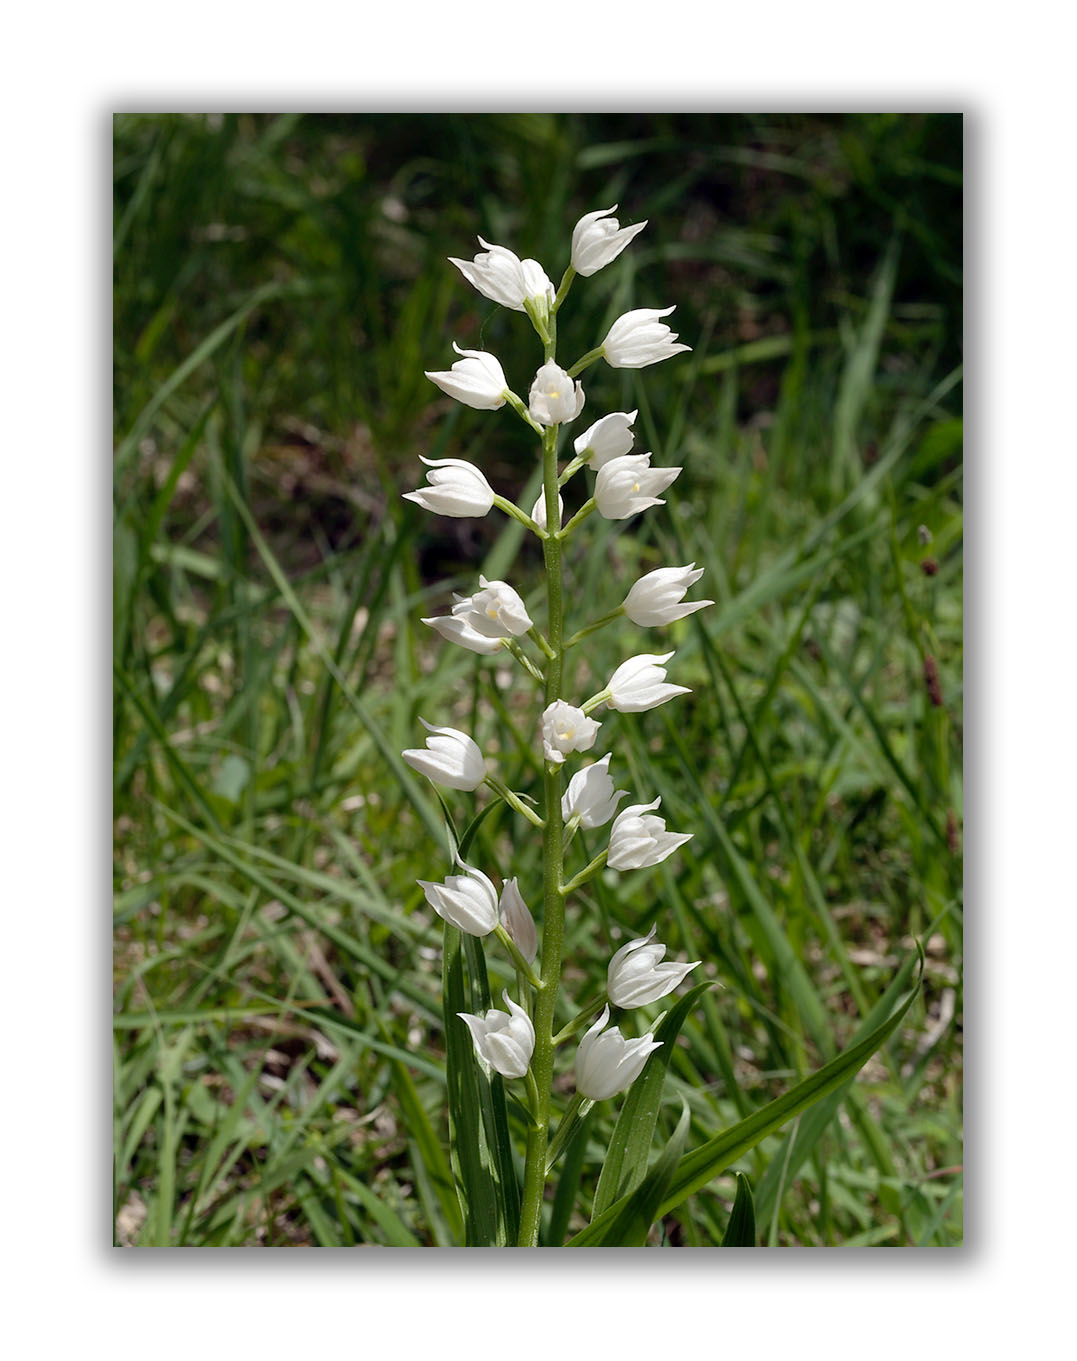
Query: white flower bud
564, 729
496, 611
639, 338
608, 1063
506, 1042
517, 920
502, 276
635, 975
459, 631
477, 380
450, 758
626, 485
467, 901
656, 598
538, 510
637, 684
595, 243
553, 399
457, 488
638, 839
609, 437
591, 795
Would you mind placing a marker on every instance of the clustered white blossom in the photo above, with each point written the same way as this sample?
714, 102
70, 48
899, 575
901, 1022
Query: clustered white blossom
607, 1063
467, 901
590, 797
638, 684
638, 839
505, 1041
553, 399
450, 758
609, 437
495, 618
656, 598
503, 277
565, 729
626, 485
494, 612
457, 488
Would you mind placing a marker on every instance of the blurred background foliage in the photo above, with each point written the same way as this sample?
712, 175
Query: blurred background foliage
280, 286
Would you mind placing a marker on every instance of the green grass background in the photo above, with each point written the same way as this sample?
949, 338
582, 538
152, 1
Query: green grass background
280, 285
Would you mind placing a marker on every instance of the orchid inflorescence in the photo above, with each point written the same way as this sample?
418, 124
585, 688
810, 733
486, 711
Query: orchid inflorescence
520, 1043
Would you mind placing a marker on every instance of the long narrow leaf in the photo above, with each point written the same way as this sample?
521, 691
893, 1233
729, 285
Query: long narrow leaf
800, 1141
427, 1148
494, 1114
627, 1223
740, 1231
700, 1166
470, 1162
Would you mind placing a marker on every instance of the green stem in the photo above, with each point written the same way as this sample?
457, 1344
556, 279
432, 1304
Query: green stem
532, 1094
521, 965
504, 792
511, 645
540, 642
517, 405
511, 508
585, 1014
590, 705
593, 628
566, 284
578, 1108
570, 470
591, 357
553, 925
541, 324
589, 872
581, 515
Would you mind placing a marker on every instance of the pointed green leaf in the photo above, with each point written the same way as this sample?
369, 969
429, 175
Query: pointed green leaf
474, 825
740, 1231
564, 1199
626, 1224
